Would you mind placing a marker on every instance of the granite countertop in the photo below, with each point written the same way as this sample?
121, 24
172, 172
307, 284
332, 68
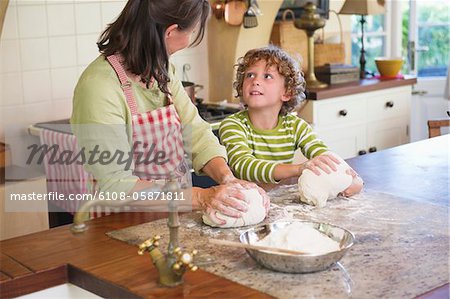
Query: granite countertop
400, 222
398, 253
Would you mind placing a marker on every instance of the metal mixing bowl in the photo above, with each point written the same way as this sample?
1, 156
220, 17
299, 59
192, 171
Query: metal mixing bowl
304, 263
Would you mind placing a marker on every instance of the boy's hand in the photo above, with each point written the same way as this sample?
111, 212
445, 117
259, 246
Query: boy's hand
356, 186
324, 162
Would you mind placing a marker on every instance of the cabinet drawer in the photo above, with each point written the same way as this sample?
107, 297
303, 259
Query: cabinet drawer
389, 104
387, 134
345, 141
340, 112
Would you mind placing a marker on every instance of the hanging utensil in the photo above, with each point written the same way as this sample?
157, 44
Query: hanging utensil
218, 8
250, 20
255, 7
186, 68
234, 12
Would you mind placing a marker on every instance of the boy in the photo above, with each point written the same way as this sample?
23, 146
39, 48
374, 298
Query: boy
262, 139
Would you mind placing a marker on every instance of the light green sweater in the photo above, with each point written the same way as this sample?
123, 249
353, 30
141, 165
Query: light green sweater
101, 118
254, 153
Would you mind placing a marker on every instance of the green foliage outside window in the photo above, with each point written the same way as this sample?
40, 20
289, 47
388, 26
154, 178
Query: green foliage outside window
373, 45
433, 37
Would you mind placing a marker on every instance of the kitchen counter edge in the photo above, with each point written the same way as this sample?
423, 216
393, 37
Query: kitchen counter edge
360, 86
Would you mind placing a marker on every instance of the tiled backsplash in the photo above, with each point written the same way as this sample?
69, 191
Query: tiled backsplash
46, 45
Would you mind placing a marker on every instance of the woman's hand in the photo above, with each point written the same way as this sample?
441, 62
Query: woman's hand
226, 199
324, 162
266, 199
250, 185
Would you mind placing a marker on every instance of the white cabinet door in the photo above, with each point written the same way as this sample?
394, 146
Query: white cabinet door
389, 133
364, 122
345, 141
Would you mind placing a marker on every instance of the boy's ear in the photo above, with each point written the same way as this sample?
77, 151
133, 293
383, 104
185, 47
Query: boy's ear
286, 97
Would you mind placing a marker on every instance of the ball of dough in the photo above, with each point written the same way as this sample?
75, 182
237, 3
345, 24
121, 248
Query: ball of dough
255, 214
317, 189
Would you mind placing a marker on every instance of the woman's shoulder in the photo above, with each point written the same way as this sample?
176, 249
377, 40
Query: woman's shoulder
98, 94
98, 71
98, 83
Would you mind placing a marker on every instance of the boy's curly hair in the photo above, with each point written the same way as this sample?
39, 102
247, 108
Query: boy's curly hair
285, 65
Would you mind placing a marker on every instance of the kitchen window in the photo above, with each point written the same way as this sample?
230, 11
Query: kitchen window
422, 26
426, 37
375, 39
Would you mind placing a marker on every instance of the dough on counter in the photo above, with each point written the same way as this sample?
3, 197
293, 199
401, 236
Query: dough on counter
317, 189
301, 237
255, 213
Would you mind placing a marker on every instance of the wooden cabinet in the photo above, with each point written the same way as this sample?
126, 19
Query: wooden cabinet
25, 217
360, 123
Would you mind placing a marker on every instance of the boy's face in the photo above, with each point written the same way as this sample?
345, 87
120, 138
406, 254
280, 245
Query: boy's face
263, 88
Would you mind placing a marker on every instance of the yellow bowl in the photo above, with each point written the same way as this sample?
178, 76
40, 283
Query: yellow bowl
389, 67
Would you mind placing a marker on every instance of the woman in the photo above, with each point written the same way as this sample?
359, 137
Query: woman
132, 85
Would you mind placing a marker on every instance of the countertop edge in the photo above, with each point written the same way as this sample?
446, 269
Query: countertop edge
365, 85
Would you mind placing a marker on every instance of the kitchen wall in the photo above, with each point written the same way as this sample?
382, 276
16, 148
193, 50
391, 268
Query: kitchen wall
45, 46
235, 41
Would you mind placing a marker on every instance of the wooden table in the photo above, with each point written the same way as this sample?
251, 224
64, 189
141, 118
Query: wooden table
418, 171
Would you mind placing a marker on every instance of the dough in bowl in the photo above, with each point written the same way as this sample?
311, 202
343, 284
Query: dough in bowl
300, 237
317, 189
255, 213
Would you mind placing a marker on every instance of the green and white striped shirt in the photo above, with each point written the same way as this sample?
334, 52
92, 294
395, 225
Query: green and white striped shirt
254, 153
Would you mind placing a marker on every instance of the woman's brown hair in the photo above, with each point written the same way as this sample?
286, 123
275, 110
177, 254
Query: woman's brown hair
285, 65
138, 34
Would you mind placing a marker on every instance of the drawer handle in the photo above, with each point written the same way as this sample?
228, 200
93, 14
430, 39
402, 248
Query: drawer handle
390, 104
343, 112
362, 152
372, 149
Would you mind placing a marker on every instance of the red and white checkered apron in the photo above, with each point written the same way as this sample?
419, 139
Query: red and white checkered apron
157, 137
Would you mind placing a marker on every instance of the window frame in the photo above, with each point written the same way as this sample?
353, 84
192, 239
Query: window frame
387, 34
